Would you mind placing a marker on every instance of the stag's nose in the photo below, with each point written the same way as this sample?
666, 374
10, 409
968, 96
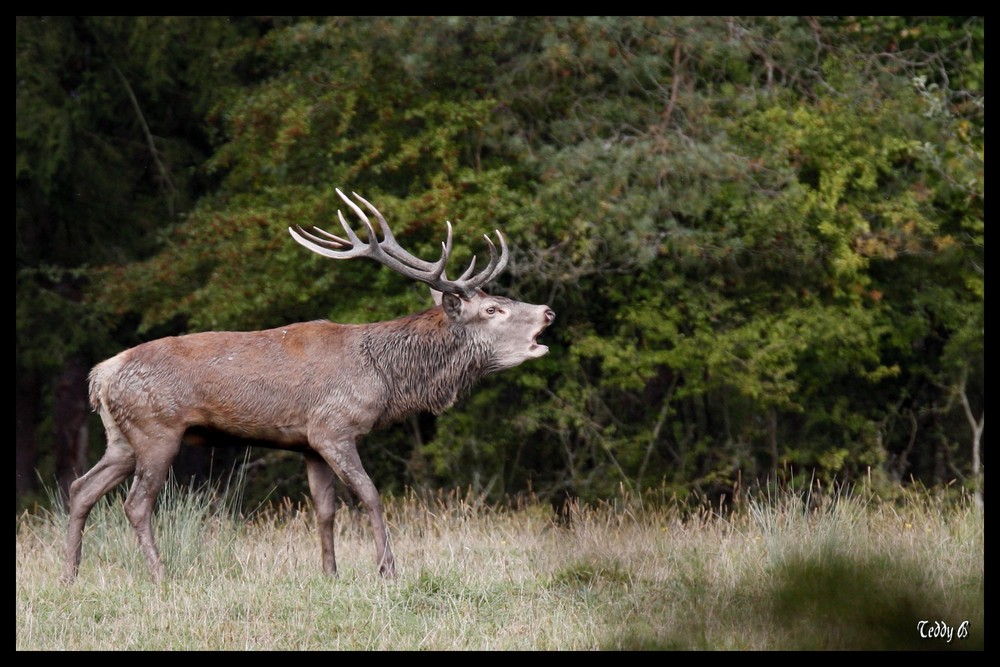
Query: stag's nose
549, 316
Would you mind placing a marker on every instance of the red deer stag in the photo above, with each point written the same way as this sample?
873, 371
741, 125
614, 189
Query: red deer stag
314, 387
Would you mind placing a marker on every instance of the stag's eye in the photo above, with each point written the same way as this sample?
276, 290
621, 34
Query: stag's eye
491, 310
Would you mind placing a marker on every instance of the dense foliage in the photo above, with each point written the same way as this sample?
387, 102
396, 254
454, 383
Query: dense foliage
763, 237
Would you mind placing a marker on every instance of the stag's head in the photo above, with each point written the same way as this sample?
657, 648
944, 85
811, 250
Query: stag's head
509, 329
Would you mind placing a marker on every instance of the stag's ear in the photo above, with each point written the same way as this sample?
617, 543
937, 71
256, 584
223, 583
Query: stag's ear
436, 295
452, 306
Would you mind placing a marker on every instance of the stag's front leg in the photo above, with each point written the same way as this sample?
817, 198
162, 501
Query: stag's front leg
342, 455
320, 476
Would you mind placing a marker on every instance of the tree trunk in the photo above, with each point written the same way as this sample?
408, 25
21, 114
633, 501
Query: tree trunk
70, 423
977, 437
772, 440
25, 423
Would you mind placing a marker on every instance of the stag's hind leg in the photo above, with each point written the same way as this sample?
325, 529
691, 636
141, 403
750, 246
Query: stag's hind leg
153, 459
324, 500
117, 463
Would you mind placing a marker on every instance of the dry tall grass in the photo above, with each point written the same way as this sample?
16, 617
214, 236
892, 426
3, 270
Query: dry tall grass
847, 572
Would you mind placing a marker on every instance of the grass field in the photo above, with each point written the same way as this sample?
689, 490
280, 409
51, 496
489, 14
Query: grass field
849, 572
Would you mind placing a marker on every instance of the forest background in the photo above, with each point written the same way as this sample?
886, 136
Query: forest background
763, 236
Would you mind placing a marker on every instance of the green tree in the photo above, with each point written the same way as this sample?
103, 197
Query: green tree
108, 136
763, 236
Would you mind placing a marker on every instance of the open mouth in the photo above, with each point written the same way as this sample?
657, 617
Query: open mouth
535, 347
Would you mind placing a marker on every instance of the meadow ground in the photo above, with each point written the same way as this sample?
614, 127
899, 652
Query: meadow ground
838, 571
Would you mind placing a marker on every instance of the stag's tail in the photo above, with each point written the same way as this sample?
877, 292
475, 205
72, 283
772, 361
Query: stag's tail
99, 379
105, 380
96, 381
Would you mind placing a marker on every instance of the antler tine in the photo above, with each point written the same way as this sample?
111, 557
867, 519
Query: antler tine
353, 239
504, 257
333, 237
446, 246
392, 247
372, 236
497, 263
386, 232
318, 245
332, 242
468, 271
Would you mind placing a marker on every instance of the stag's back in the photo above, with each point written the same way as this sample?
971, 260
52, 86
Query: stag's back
262, 384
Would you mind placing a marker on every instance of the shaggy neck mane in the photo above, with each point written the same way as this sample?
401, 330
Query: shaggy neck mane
425, 361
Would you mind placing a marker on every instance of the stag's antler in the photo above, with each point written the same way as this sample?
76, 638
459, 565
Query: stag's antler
391, 254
